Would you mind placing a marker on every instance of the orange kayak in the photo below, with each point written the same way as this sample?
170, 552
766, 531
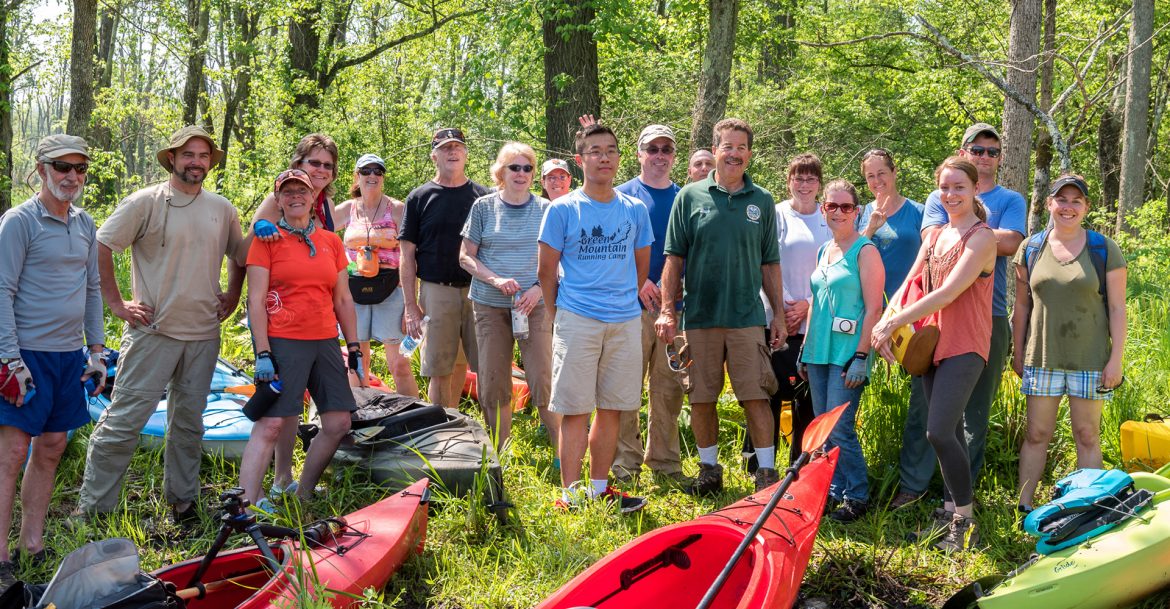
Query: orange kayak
365, 554
520, 393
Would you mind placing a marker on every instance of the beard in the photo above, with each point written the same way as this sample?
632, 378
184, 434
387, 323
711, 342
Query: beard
62, 194
189, 177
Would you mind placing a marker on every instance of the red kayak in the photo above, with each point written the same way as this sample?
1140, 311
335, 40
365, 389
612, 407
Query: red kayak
673, 566
364, 553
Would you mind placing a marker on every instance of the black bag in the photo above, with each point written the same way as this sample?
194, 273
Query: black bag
373, 290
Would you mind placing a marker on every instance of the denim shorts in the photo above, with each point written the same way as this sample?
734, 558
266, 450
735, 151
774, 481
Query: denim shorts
1047, 382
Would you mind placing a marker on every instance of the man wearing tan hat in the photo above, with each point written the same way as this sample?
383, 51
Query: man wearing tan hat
50, 306
179, 234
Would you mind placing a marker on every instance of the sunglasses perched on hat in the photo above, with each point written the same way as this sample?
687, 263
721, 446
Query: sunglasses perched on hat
292, 175
445, 135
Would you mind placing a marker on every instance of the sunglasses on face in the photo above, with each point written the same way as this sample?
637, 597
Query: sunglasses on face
981, 150
62, 167
520, 168
318, 164
656, 149
846, 208
372, 171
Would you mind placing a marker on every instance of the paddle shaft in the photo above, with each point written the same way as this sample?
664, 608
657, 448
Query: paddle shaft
190, 593
713, 591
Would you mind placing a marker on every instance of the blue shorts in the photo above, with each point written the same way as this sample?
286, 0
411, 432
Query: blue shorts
59, 404
1048, 382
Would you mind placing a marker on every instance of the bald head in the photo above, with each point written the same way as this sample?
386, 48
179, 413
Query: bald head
700, 165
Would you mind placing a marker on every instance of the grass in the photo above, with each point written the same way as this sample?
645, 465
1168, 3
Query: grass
473, 561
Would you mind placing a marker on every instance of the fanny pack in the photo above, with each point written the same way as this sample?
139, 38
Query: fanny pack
373, 290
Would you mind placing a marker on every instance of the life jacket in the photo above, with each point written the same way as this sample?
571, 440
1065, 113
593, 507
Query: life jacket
1098, 255
1087, 503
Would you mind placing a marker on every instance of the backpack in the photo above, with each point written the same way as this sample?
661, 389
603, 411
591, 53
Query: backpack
1098, 255
1087, 503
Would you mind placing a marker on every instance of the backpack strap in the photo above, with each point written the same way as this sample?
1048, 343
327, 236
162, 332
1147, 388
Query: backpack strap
1032, 251
1099, 254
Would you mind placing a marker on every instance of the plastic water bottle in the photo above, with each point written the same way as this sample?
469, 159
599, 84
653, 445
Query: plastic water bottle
409, 343
519, 321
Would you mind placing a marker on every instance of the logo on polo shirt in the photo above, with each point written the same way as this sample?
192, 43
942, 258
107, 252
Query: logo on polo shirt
753, 213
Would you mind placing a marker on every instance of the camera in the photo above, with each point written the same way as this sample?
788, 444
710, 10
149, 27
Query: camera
844, 326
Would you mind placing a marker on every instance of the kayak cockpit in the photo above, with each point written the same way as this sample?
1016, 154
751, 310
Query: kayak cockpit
238, 578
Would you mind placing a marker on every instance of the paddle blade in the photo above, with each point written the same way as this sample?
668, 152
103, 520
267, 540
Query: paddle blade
819, 429
968, 596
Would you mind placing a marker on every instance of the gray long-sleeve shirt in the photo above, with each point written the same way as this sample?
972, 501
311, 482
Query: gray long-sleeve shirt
50, 291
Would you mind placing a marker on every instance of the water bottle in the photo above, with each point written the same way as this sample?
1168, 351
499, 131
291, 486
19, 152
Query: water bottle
410, 343
519, 321
261, 401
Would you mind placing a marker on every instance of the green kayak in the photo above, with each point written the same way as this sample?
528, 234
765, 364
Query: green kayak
1115, 569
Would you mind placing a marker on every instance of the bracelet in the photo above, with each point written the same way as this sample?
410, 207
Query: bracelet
352, 348
861, 355
263, 354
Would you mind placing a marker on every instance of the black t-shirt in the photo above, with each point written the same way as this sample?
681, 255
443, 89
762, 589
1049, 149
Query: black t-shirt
433, 221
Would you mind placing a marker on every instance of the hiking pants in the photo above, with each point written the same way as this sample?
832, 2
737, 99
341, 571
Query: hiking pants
666, 397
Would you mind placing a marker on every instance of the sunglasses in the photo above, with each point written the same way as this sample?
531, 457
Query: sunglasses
846, 208
1104, 389
62, 167
318, 164
656, 150
675, 358
980, 150
520, 168
372, 171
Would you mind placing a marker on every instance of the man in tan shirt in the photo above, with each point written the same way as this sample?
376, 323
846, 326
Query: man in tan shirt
178, 234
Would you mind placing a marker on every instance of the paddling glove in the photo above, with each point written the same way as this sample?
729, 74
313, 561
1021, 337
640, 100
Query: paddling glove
265, 366
857, 368
96, 368
15, 381
355, 363
264, 229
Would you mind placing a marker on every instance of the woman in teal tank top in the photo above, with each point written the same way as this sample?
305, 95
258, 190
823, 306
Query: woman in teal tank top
847, 301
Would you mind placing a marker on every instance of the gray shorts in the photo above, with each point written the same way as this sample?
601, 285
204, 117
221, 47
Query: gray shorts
381, 322
315, 365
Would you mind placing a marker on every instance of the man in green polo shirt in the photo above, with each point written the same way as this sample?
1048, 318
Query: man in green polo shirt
724, 228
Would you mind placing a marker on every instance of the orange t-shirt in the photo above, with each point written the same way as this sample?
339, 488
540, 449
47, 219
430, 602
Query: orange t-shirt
300, 287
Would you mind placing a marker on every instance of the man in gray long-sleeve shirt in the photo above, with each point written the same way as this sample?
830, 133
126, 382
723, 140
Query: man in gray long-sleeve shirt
50, 306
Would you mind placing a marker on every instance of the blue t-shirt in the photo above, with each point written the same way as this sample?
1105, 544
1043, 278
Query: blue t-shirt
597, 241
658, 202
898, 241
1006, 210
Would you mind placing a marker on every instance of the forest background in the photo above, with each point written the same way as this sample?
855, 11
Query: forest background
1079, 85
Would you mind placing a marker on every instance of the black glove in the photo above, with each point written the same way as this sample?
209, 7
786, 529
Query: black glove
355, 363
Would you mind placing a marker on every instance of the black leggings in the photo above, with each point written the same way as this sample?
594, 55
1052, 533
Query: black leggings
955, 378
792, 389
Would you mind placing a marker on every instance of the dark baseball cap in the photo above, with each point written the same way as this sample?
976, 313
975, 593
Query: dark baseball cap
1069, 180
447, 134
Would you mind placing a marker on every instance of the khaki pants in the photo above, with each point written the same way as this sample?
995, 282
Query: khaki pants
451, 327
493, 335
149, 365
665, 404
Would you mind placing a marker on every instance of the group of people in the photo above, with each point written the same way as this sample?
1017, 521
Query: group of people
599, 287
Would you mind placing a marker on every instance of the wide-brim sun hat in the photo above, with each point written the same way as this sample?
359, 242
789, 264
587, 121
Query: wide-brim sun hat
180, 138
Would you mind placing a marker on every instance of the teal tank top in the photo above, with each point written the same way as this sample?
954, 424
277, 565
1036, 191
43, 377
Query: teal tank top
836, 291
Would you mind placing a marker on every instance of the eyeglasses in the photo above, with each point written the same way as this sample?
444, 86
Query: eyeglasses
520, 168
318, 164
555, 176
657, 150
808, 180
980, 150
1104, 389
372, 171
602, 154
845, 208
62, 167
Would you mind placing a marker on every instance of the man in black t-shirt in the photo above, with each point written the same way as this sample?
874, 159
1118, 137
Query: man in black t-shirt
430, 240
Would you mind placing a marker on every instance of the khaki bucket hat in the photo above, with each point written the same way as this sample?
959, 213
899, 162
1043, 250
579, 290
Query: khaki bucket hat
180, 138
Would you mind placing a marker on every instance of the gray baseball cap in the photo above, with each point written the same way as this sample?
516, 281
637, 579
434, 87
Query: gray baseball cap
653, 132
978, 129
53, 147
369, 159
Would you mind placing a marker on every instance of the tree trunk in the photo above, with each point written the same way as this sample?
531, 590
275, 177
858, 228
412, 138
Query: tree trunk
81, 70
107, 34
715, 79
1109, 142
198, 15
304, 52
570, 72
1044, 139
778, 49
7, 11
1018, 122
1137, 112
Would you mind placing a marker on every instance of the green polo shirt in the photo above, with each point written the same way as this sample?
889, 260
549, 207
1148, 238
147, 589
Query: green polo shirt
725, 239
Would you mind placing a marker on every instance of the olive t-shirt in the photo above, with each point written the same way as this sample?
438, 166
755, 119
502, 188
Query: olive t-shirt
1069, 327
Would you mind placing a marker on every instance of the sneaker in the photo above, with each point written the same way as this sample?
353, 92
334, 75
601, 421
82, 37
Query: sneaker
903, 499
709, 481
36, 559
626, 503
940, 521
265, 505
565, 506
849, 511
7, 575
765, 477
961, 534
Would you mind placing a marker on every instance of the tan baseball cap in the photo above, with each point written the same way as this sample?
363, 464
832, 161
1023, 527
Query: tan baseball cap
180, 138
653, 132
53, 147
292, 175
978, 129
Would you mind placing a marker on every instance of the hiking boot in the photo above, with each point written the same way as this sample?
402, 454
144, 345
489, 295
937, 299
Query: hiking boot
626, 504
35, 560
940, 521
849, 511
709, 481
7, 575
675, 478
624, 475
903, 499
765, 477
188, 520
961, 534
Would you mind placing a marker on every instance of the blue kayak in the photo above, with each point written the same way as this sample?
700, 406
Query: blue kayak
226, 429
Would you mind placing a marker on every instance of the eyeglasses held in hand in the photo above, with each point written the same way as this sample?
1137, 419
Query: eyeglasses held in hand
981, 150
675, 356
1103, 389
372, 171
520, 168
62, 167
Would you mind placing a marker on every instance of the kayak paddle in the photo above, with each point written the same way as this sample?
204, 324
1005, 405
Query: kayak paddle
815, 436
